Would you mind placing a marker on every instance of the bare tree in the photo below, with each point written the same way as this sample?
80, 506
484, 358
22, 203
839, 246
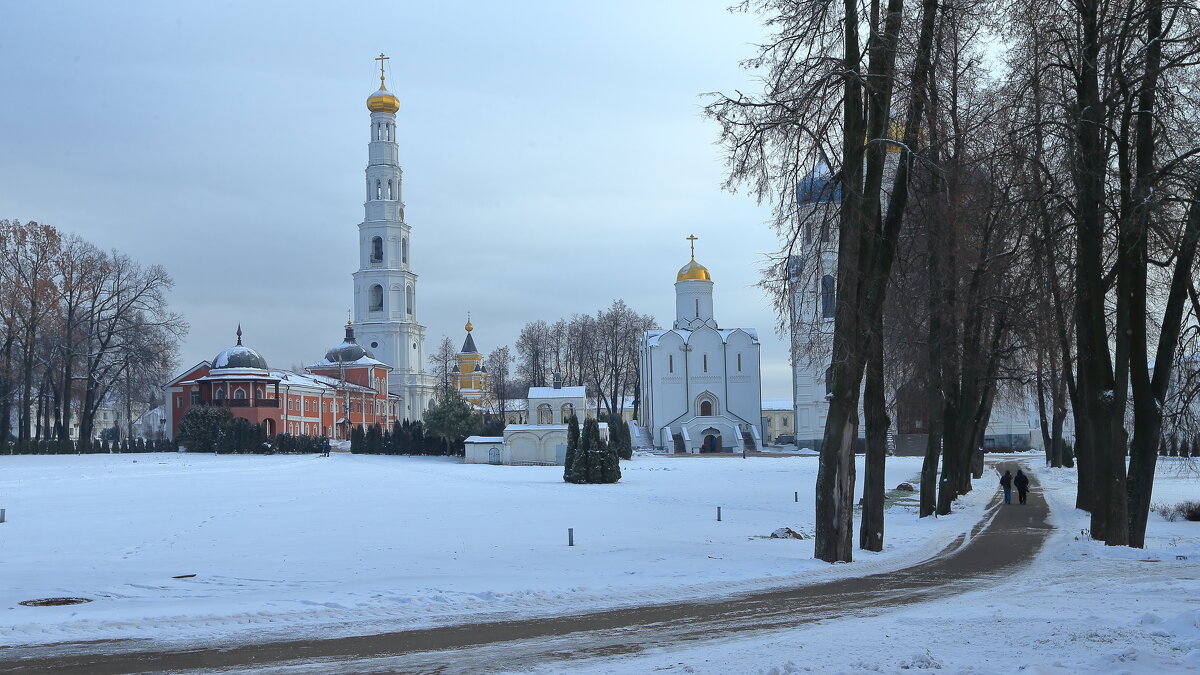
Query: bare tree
442, 361
499, 366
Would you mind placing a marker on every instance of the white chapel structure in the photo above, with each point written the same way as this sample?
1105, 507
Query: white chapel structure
385, 287
700, 383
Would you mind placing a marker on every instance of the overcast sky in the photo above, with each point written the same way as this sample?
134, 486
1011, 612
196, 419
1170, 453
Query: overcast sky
554, 157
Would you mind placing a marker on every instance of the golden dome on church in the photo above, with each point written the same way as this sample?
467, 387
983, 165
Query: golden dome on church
383, 101
693, 271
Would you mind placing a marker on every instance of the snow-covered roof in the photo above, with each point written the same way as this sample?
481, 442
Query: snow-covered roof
545, 427
361, 361
563, 392
484, 439
239, 356
653, 336
318, 381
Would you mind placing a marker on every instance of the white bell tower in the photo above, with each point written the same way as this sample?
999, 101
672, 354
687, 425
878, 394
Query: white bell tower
385, 288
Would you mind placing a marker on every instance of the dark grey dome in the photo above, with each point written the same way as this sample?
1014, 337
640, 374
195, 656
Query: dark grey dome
348, 352
239, 356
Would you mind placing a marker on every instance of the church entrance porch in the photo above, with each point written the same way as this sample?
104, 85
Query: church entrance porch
712, 441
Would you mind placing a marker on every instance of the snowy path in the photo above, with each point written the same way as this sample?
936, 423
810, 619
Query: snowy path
1006, 539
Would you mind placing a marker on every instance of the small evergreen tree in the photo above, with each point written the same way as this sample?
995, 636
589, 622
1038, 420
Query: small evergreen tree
609, 463
203, 428
572, 448
452, 419
357, 440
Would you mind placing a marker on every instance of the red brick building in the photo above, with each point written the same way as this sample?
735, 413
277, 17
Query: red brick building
346, 388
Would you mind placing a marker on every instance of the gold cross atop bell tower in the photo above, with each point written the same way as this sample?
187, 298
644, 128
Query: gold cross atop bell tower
692, 240
381, 58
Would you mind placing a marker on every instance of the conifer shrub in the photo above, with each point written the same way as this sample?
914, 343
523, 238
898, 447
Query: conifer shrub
1068, 458
572, 449
357, 440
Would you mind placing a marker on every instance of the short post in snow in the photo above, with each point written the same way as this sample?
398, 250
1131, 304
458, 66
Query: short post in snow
570, 536
718, 514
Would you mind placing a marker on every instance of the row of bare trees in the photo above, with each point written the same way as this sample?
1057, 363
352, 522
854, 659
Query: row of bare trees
80, 328
1004, 228
598, 351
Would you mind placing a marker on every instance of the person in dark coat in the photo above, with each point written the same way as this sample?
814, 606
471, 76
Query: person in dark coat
1022, 483
1006, 482
325, 447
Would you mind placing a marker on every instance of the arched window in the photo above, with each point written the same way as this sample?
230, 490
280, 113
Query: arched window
219, 394
408, 297
828, 298
376, 249
567, 410
260, 392
739, 363
706, 408
390, 189
706, 363
697, 308
829, 381
404, 250
378, 189
545, 414
706, 405
376, 301
670, 363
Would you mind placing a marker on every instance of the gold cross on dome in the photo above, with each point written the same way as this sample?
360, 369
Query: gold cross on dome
692, 240
381, 58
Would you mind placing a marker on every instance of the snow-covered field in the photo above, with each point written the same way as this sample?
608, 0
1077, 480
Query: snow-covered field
303, 545
1081, 607
308, 545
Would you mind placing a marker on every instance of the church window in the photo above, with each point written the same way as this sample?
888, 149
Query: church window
178, 401
219, 394
706, 408
376, 249
706, 363
378, 189
697, 308
390, 189
829, 381
409, 300
670, 363
827, 297
376, 301
785, 421
739, 363
260, 392
567, 410
545, 414
195, 396
404, 250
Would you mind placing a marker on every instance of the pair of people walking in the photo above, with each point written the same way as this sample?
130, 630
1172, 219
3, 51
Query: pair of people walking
1021, 481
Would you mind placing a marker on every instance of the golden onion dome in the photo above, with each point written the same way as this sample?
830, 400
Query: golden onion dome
383, 101
693, 271
469, 326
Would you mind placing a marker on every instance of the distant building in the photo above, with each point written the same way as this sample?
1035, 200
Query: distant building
346, 388
700, 384
470, 376
543, 442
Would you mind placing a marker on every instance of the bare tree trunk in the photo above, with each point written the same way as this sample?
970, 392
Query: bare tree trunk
870, 535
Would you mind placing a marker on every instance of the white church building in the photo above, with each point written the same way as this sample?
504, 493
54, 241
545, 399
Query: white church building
700, 383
